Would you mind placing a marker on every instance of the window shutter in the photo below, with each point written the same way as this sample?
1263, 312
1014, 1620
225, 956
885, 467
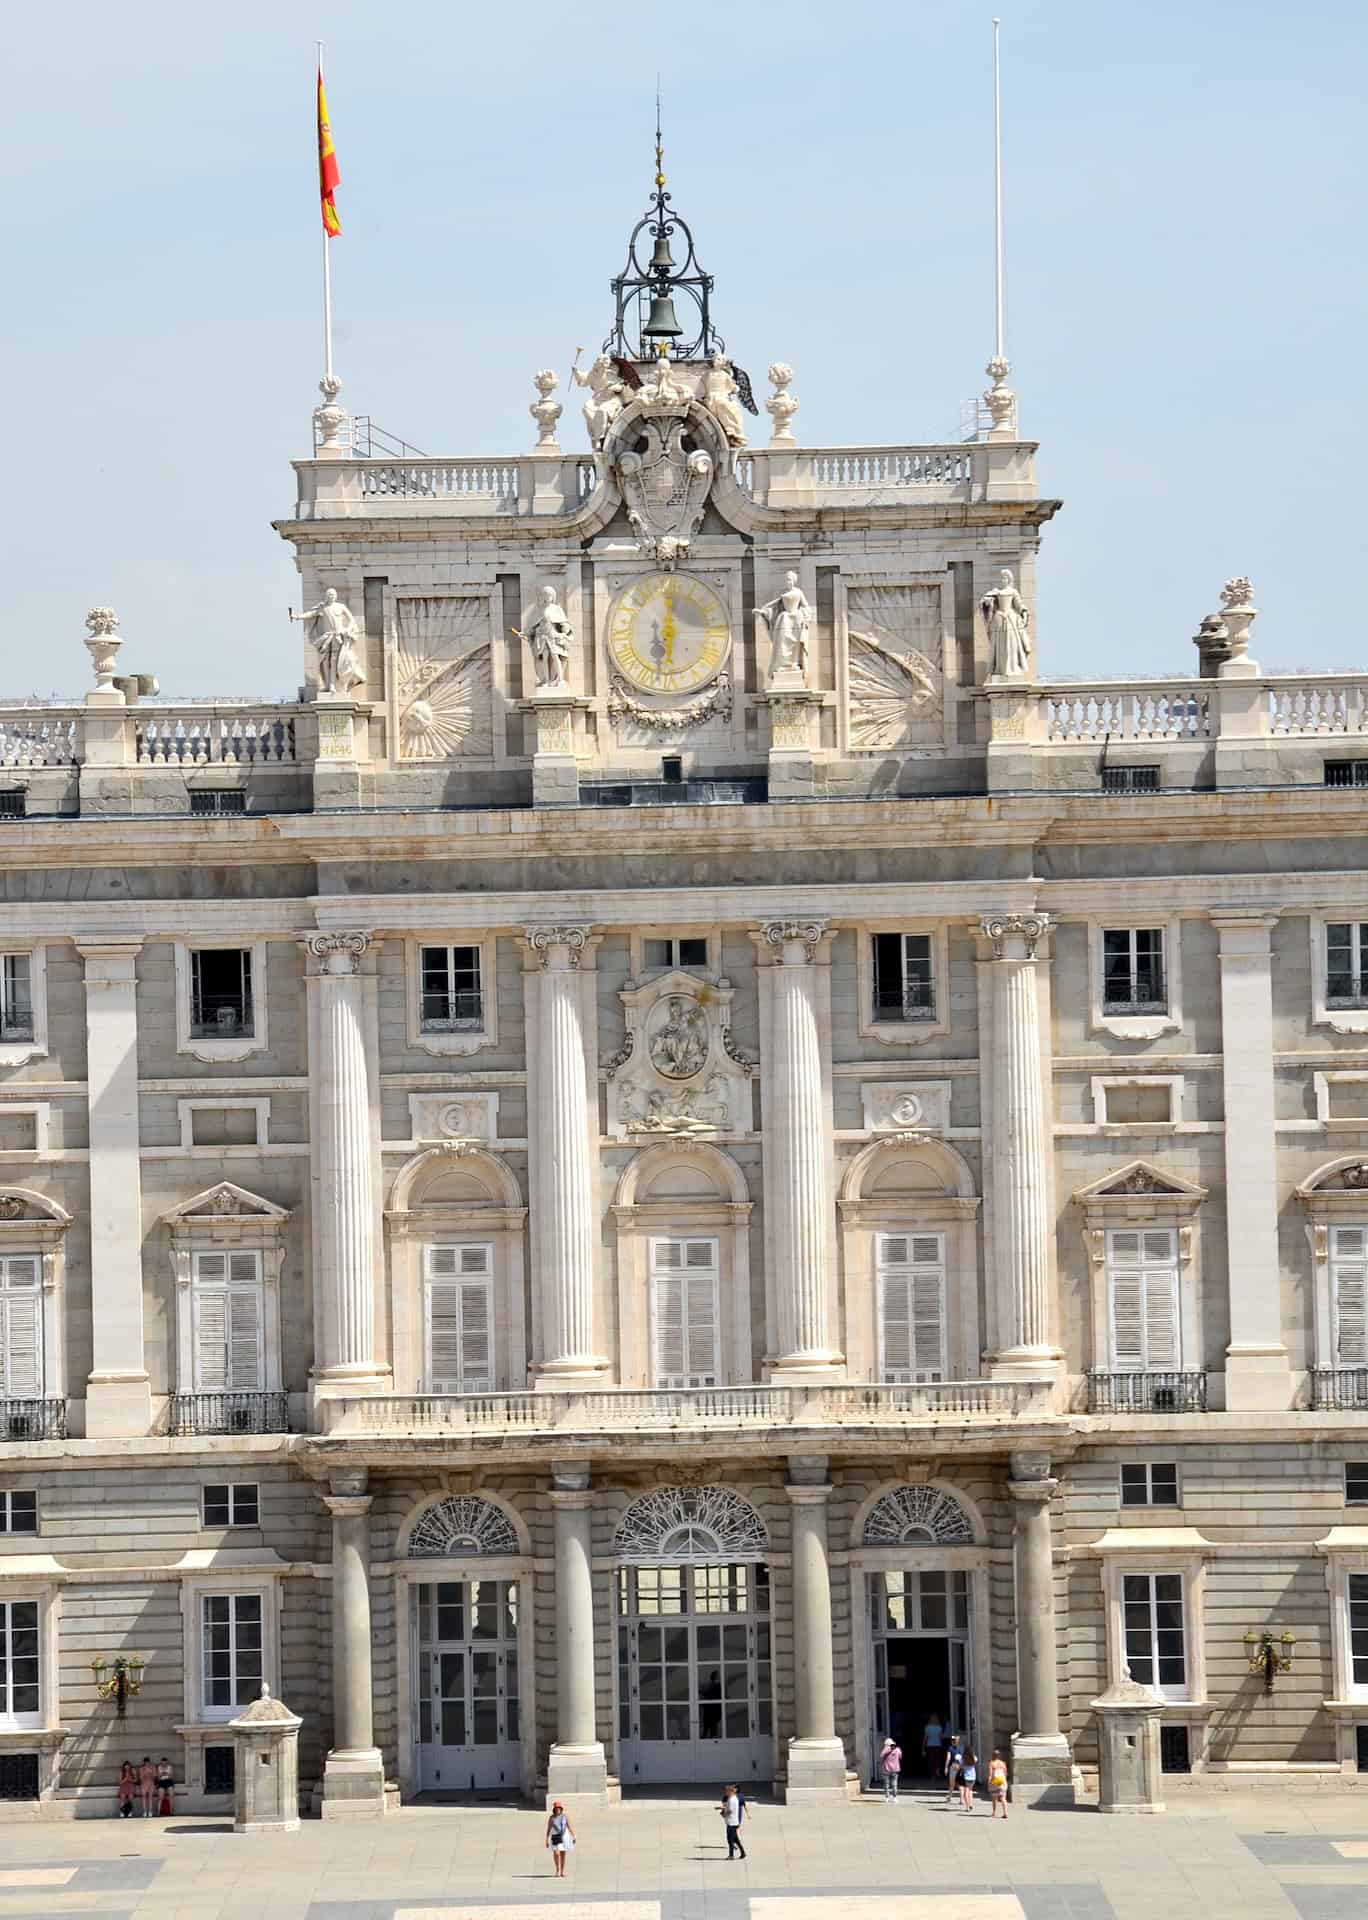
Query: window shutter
1128, 1317
21, 1327
244, 1339
928, 1321
474, 1259
1143, 1273
1161, 1317
444, 1334
895, 1308
441, 1262
667, 1310
477, 1361
211, 1339
1349, 1286
211, 1268
700, 1320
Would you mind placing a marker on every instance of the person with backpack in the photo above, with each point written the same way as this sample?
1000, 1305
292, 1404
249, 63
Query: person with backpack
997, 1784
890, 1765
968, 1779
560, 1836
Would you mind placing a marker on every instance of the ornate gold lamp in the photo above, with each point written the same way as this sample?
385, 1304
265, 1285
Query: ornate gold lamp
120, 1681
1269, 1656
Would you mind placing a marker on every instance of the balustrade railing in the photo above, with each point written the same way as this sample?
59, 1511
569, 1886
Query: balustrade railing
1334, 705
32, 1420
1174, 1391
192, 1413
41, 737
438, 479
834, 468
197, 737
1101, 712
1339, 1389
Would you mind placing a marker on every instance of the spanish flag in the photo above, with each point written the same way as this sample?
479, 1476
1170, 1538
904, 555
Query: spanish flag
328, 175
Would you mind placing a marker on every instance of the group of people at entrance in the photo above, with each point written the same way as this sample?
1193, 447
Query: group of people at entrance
947, 1754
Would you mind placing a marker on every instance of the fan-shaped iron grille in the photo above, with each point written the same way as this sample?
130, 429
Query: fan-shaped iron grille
459, 1527
918, 1516
690, 1526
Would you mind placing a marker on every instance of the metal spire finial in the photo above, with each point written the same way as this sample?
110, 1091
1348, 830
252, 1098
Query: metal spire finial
660, 151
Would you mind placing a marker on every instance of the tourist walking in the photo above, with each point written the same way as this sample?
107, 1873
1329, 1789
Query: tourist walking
733, 1811
954, 1755
933, 1738
128, 1787
997, 1784
890, 1765
147, 1785
968, 1779
560, 1837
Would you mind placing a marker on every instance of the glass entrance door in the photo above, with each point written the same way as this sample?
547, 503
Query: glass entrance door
919, 1661
467, 1685
694, 1687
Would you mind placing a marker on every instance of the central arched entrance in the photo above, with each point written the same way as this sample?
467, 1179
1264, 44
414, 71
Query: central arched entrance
694, 1647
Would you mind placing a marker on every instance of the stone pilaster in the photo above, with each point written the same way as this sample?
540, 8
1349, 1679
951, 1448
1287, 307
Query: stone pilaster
1020, 1154
1257, 1367
577, 1768
562, 1167
1041, 1763
344, 1193
353, 1773
816, 1758
118, 1393
797, 1191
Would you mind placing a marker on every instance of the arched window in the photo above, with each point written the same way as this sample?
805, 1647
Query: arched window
918, 1516
690, 1526
460, 1527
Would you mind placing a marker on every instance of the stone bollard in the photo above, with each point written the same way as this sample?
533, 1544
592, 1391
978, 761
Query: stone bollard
266, 1767
1128, 1747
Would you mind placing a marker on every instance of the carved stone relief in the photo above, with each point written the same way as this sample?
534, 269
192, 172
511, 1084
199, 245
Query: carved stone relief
897, 690
895, 1106
454, 1116
674, 1072
442, 676
665, 451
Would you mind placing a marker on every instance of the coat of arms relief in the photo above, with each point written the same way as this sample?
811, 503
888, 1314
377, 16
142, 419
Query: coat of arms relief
664, 451
441, 680
678, 1070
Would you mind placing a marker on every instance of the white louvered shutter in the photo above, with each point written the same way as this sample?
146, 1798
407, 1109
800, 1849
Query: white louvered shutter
1143, 1274
460, 1341
228, 1323
667, 1312
1349, 1291
910, 1285
21, 1327
700, 1313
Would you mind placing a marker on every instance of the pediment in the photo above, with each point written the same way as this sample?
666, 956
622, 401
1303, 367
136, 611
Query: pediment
225, 1201
1348, 1174
1139, 1180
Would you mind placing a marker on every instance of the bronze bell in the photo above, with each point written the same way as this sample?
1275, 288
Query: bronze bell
661, 258
662, 324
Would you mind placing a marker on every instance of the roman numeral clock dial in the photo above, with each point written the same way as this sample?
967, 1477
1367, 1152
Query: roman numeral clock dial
669, 633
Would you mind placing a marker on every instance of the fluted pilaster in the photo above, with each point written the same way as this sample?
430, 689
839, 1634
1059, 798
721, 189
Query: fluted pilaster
344, 1222
1021, 1220
562, 1169
796, 1146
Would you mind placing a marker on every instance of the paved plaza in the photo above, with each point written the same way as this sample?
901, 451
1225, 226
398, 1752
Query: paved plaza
657, 1859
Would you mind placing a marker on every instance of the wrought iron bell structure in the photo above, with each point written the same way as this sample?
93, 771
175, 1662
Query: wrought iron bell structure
646, 321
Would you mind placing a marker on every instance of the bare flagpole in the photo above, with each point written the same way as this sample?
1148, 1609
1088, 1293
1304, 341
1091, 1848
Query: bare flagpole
997, 187
327, 273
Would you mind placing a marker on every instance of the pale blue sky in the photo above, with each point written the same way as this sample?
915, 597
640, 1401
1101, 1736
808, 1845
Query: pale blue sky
1186, 281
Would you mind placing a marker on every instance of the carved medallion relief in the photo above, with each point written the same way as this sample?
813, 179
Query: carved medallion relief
675, 1072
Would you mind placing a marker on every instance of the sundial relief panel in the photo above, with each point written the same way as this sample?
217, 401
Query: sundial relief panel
440, 656
895, 646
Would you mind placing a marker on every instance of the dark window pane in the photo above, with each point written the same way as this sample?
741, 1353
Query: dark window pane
23, 1513
1134, 1487
216, 1506
1356, 1483
1164, 1485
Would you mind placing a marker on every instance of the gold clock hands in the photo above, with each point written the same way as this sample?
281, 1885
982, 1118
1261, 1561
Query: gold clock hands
667, 631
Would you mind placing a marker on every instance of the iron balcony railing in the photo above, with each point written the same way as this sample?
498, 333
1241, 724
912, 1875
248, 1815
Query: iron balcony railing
1339, 1389
33, 1419
230, 1413
1180, 1391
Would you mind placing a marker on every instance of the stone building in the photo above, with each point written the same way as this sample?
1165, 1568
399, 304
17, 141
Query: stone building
683, 1161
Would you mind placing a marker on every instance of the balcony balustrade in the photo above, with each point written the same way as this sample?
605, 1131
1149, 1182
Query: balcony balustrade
1182, 1391
32, 1420
1339, 1389
197, 1413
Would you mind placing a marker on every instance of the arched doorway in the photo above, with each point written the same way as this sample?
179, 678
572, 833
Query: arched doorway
694, 1646
467, 1659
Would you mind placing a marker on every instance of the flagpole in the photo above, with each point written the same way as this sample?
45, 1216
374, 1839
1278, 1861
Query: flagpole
997, 186
327, 275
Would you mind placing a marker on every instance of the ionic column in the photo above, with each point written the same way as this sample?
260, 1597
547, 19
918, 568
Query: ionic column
1040, 1752
562, 1168
1257, 1365
816, 1758
118, 1393
798, 1210
353, 1773
577, 1765
344, 1199
1021, 1214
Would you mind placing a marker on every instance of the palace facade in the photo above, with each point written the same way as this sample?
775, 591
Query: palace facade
684, 1162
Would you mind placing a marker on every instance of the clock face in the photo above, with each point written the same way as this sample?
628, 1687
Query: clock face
669, 633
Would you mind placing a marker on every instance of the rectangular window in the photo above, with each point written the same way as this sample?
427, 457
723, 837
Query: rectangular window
1156, 1653
235, 1505
684, 1284
1175, 1750
1356, 1483
1345, 944
227, 1323
16, 996
452, 996
1358, 1627
1133, 970
233, 1648
459, 1318
13, 806
1142, 1276
903, 985
19, 1673
18, 1512
220, 1775
1349, 1295
221, 993
1346, 773
665, 954
218, 800
21, 1327
1130, 779
910, 1277
1143, 1485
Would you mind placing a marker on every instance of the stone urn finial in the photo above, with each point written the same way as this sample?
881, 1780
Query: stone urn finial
545, 411
781, 405
103, 644
1238, 614
1000, 400
329, 420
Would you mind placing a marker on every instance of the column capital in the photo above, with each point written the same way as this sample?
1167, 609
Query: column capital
337, 953
109, 959
805, 1496
1015, 936
557, 948
795, 941
1031, 1481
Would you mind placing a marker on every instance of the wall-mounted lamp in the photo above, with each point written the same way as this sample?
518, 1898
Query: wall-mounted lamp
1269, 1656
119, 1682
